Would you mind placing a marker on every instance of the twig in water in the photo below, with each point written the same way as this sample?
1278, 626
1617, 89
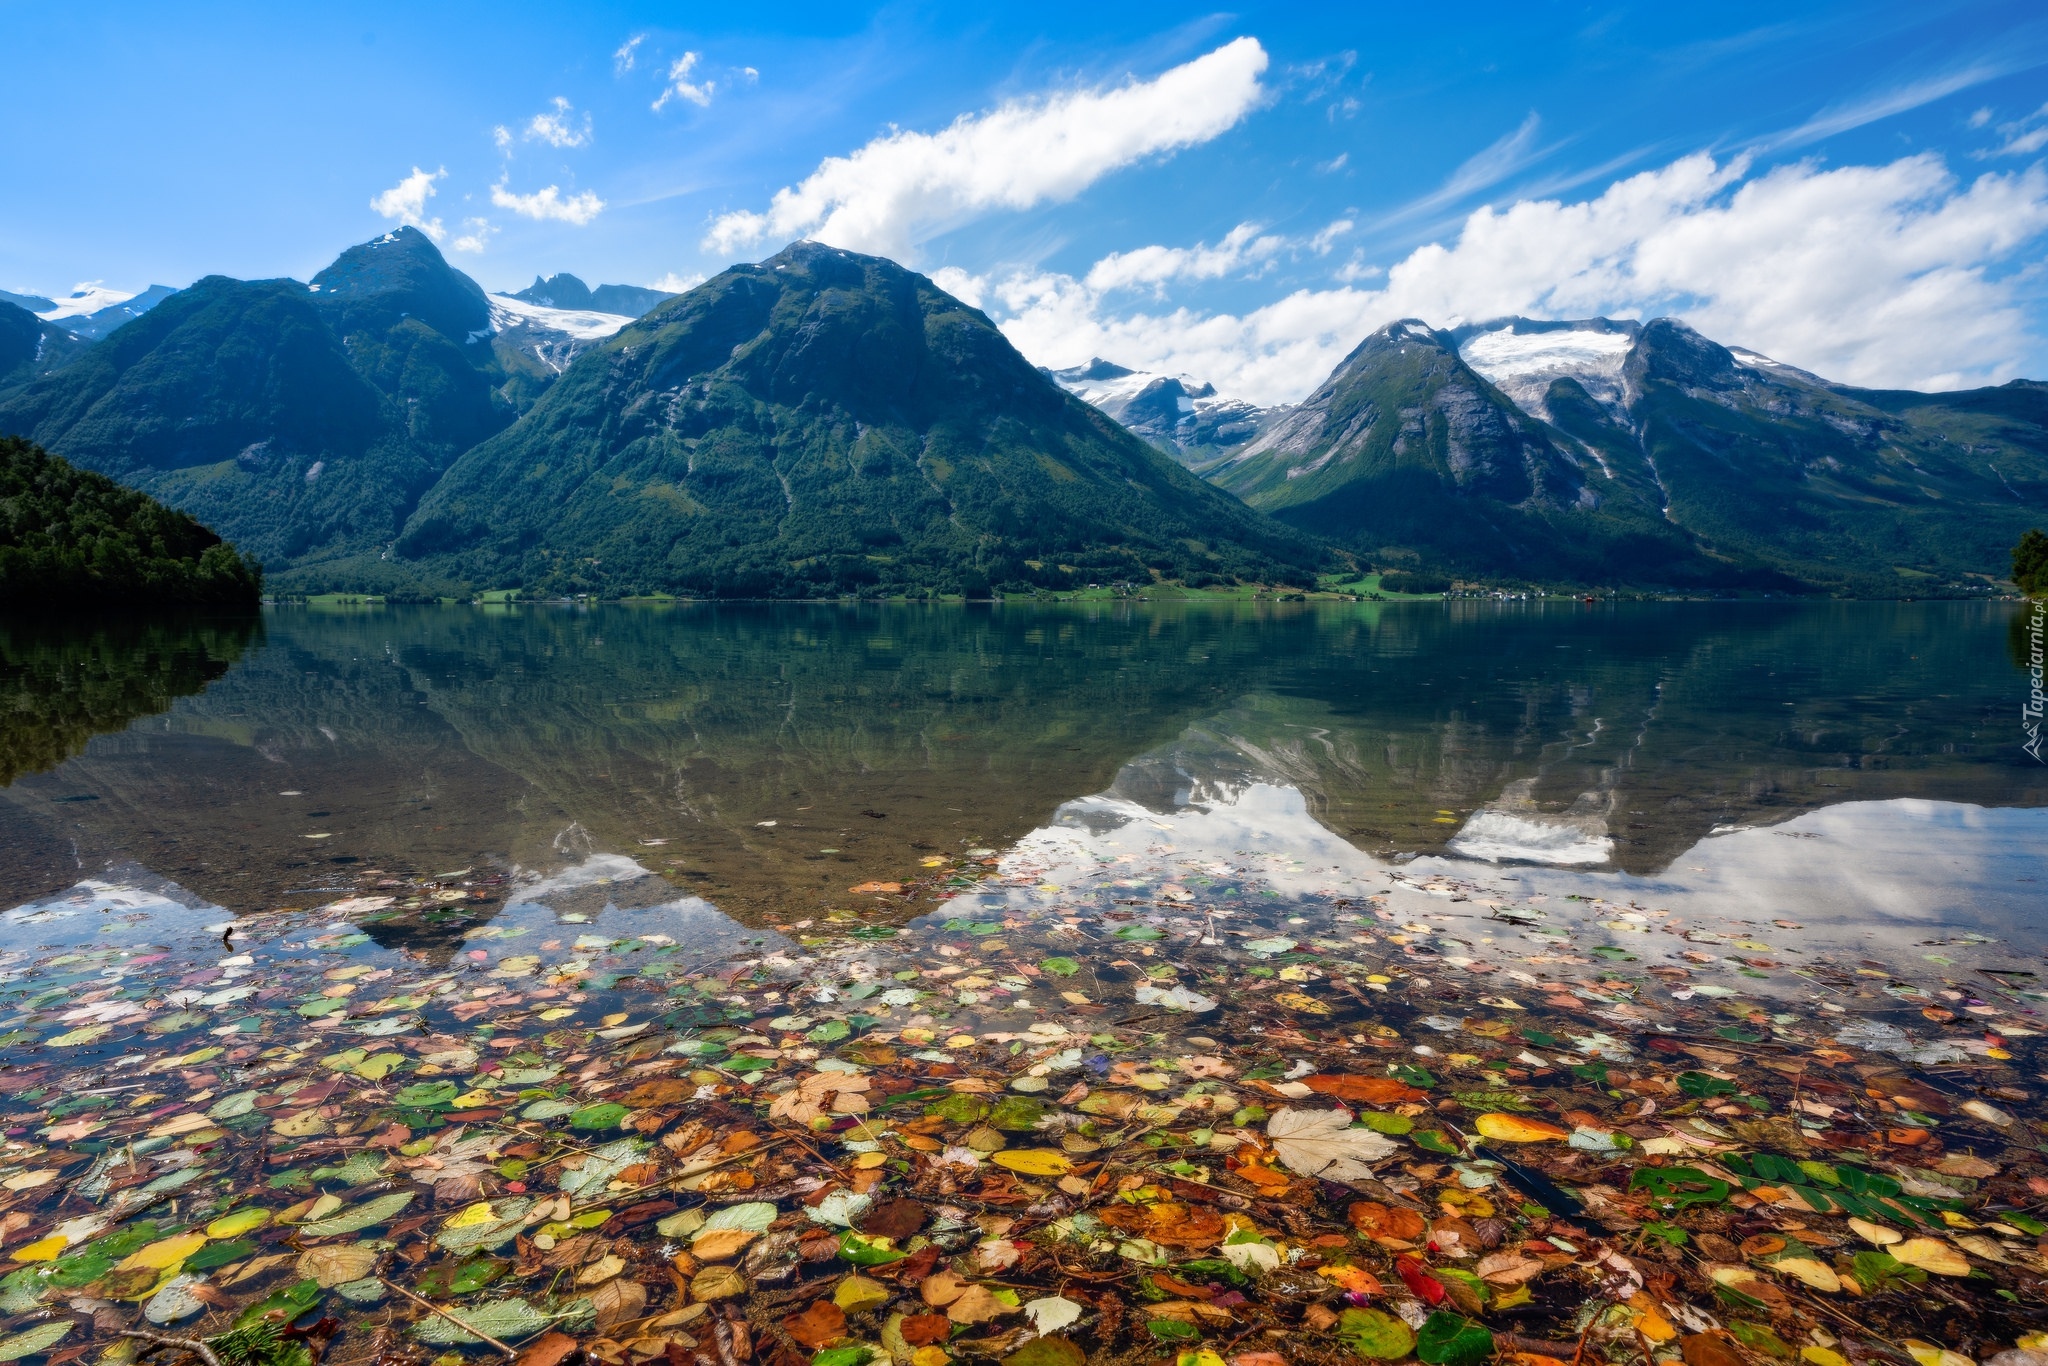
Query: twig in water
192, 1345
437, 1309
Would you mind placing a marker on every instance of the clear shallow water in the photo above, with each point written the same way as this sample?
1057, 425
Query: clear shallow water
1850, 767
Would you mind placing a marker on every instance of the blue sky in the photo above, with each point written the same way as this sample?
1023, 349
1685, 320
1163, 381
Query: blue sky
1855, 188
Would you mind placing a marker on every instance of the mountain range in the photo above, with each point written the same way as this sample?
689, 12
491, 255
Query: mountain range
826, 422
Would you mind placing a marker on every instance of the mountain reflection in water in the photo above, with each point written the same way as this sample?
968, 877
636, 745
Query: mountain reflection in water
764, 759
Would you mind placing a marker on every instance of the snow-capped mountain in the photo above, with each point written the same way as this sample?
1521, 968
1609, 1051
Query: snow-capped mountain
552, 337
1179, 414
92, 310
1521, 358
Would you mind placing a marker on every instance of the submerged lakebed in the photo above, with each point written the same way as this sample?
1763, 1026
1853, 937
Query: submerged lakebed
814, 986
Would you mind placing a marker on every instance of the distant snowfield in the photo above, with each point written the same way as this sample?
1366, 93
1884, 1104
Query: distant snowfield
87, 298
1523, 364
584, 325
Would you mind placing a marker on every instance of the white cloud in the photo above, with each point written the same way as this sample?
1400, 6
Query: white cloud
1980, 118
557, 126
1506, 155
477, 233
673, 283
579, 208
1877, 275
680, 87
2022, 137
1321, 243
406, 202
502, 136
622, 60
903, 187
1241, 247
969, 289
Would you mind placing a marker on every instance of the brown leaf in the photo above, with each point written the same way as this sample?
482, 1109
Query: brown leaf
818, 1327
550, 1349
1367, 1090
1709, 1349
1385, 1221
977, 1304
660, 1091
896, 1219
943, 1288
618, 1301
922, 1330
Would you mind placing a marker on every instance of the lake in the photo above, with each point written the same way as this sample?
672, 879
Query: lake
1856, 764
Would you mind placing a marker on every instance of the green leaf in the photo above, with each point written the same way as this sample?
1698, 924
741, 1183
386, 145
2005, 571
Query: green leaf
1414, 1076
1448, 1339
219, 1254
450, 1278
501, 1319
281, 1306
1758, 1338
38, 1339
832, 1031
365, 1215
1701, 1085
1435, 1142
754, 1216
1017, 1114
1172, 1330
857, 1354
1380, 1122
1678, 1187
1141, 932
958, 1109
1669, 1234
609, 1115
862, 1250
1375, 1334
423, 1095
1060, 967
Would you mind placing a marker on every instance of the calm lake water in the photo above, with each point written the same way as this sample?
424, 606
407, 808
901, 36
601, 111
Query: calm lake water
1851, 765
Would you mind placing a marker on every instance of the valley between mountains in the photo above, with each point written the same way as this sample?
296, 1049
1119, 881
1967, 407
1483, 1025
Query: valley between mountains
826, 423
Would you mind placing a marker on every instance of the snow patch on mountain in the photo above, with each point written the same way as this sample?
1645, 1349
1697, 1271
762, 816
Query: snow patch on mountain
1178, 413
1522, 361
89, 297
582, 324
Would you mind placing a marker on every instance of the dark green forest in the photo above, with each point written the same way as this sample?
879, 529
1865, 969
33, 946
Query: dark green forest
72, 538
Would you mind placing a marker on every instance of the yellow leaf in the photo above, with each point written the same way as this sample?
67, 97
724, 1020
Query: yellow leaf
1650, 1320
929, 1356
1294, 1000
1931, 1354
164, 1252
1821, 1356
479, 1213
43, 1249
1873, 1233
1034, 1161
469, 1100
1516, 1129
1931, 1254
1817, 1274
304, 1124
236, 1224
715, 1245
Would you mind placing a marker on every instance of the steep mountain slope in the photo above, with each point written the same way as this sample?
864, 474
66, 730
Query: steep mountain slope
824, 422
30, 347
536, 342
1410, 457
94, 323
566, 291
1181, 416
301, 422
1848, 490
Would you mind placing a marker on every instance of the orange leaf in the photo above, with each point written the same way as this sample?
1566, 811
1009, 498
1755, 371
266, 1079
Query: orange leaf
1366, 1090
817, 1327
1518, 1129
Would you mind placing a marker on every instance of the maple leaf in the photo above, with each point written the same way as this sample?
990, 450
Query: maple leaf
1323, 1143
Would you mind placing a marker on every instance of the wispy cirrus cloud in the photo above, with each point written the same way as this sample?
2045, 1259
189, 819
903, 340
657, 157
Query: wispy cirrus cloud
406, 202
1896, 99
901, 188
623, 60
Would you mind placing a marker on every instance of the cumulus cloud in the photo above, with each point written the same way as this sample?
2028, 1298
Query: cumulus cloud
674, 283
1890, 275
476, 235
1241, 247
406, 202
681, 87
550, 203
623, 59
901, 188
557, 126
